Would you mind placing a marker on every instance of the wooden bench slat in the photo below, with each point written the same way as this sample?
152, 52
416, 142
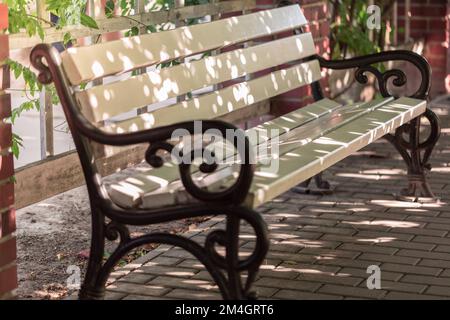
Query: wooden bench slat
234, 97
299, 160
83, 64
129, 191
304, 134
289, 141
106, 101
306, 161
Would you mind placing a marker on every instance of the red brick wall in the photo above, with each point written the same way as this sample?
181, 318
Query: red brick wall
8, 269
428, 22
316, 12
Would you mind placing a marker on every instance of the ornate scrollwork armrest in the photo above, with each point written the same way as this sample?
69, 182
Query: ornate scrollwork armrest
234, 194
366, 64
415, 150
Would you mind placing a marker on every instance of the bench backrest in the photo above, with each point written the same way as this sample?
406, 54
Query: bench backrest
251, 70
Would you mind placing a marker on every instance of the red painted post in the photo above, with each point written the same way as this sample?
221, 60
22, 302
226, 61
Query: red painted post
447, 31
8, 268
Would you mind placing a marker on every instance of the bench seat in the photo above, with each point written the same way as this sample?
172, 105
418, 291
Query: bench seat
313, 137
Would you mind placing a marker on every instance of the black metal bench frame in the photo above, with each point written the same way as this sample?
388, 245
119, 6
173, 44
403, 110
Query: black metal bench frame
225, 270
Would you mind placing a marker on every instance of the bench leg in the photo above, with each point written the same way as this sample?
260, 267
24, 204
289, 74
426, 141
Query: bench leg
225, 269
235, 291
232, 265
91, 289
416, 153
322, 186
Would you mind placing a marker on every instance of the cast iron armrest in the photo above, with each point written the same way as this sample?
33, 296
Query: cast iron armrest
366, 64
47, 61
157, 138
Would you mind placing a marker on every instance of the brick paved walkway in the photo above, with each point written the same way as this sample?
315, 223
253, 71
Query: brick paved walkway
321, 246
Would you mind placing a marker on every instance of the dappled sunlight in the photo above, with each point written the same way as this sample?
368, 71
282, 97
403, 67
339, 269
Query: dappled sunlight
267, 266
116, 286
229, 70
206, 106
342, 249
308, 139
415, 210
178, 274
308, 271
383, 171
404, 204
364, 176
282, 236
377, 240
148, 49
441, 169
359, 209
304, 243
384, 223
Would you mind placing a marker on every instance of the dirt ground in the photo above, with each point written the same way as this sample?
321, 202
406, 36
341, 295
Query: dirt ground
55, 234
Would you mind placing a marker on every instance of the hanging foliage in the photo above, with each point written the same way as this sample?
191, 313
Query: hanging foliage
23, 17
351, 30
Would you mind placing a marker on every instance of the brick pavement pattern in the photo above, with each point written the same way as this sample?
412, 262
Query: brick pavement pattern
321, 246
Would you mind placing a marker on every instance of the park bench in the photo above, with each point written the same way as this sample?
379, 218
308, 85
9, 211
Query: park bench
201, 93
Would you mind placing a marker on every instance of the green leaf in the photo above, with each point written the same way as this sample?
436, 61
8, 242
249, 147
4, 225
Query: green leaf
109, 8
134, 31
15, 150
17, 69
67, 37
88, 21
151, 28
41, 32
16, 144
